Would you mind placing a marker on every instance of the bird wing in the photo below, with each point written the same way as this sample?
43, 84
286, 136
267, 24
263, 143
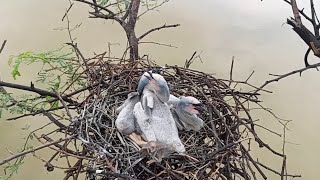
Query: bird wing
148, 102
125, 121
176, 119
173, 100
143, 122
127, 101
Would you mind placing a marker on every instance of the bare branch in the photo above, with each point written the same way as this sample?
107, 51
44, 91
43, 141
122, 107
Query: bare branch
296, 13
54, 120
35, 90
160, 44
313, 16
153, 8
231, 71
41, 111
287, 74
127, 12
112, 14
64, 104
33, 150
65, 14
2, 46
300, 11
276, 172
156, 29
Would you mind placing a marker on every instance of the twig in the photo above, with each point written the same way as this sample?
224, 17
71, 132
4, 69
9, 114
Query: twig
64, 105
112, 14
156, 29
35, 90
160, 44
33, 150
153, 8
296, 13
65, 14
300, 11
2, 46
313, 16
231, 71
54, 120
253, 162
274, 171
287, 74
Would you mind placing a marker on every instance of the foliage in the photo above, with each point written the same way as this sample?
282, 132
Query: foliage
59, 68
10, 170
59, 71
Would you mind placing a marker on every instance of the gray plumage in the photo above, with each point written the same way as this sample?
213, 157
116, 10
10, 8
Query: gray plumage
156, 83
155, 119
184, 111
126, 122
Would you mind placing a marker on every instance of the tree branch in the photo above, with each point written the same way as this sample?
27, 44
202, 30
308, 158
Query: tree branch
287, 74
132, 15
2, 46
127, 12
276, 172
35, 90
156, 29
300, 11
296, 13
112, 14
54, 120
41, 111
307, 36
313, 16
33, 150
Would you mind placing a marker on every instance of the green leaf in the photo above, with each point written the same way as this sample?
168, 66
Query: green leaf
55, 104
15, 72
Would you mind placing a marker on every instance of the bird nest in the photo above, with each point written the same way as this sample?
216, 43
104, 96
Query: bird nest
217, 151
214, 152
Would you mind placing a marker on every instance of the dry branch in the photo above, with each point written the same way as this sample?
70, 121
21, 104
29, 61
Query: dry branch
311, 39
2, 46
35, 90
156, 29
33, 150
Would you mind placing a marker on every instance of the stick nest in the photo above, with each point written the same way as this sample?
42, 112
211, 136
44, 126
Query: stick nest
216, 149
220, 150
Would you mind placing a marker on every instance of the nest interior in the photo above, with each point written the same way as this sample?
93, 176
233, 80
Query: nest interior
217, 150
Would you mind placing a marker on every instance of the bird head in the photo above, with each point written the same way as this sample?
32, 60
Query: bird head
190, 104
155, 83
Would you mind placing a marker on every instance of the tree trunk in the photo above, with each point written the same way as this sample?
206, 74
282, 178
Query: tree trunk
130, 29
133, 45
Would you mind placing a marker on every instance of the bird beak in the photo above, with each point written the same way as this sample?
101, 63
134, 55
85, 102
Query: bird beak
150, 75
198, 107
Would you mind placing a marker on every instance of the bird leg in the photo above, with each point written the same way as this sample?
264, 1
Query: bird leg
137, 139
148, 147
